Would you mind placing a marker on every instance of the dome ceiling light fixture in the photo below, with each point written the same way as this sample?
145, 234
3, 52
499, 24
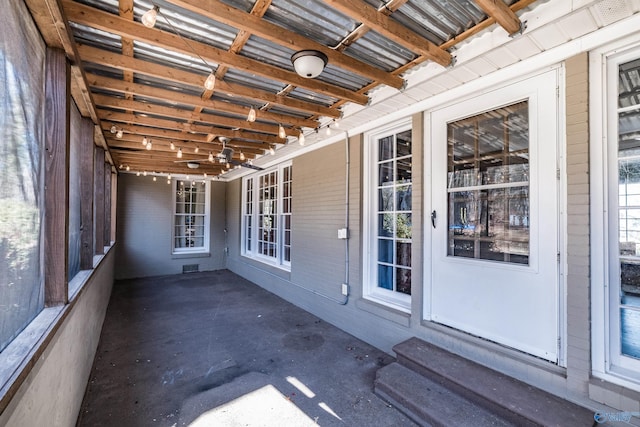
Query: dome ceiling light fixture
309, 63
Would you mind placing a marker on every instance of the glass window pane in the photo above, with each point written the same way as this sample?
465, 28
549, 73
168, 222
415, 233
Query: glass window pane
385, 173
630, 332
403, 254
489, 149
385, 199
385, 250
385, 225
403, 144
403, 198
403, 280
629, 208
385, 151
385, 277
403, 226
403, 170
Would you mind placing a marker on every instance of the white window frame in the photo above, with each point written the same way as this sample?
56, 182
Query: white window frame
251, 200
207, 218
371, 290
603, 89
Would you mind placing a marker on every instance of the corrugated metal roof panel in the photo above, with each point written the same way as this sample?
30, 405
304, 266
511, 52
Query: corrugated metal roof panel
162, 56
380, 52
189, 25
307, 95
96, 38
311, 18
265, 51
183, 88
253, 81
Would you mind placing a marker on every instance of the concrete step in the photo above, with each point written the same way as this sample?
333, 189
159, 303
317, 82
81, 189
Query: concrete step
429, 403
508, 398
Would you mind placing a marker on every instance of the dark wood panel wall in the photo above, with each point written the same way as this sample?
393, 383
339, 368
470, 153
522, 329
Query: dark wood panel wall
107, 204
86, 194
56, 172
98, 200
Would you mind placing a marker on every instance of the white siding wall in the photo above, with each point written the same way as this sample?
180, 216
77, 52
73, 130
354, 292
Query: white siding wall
577, 173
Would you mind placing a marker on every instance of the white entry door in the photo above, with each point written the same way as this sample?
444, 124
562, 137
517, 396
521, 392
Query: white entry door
494, 218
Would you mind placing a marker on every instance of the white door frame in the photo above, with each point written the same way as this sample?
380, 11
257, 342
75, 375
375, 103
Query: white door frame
554, 351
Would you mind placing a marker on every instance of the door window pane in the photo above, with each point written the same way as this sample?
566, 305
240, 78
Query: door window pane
488, 185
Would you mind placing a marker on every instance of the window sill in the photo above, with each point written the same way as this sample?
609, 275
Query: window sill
385, 312
267, 262
184, 255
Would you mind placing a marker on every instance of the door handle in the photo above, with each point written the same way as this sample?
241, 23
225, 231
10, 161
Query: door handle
433, 219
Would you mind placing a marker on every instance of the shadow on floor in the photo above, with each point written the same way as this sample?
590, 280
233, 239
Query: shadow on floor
212, 349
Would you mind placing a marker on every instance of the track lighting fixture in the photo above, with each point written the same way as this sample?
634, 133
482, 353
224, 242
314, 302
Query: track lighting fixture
119, 134
242, 156
114, 129
138, 173
195, 150
128, 168
144, 173
211, 157
179, 155
154, 178
301, 138
172, 146
145, 141
149, 145
328, 131
272, 151
281, 132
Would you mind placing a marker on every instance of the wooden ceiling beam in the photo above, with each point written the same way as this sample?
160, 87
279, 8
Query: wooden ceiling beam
188, 128
105, 21
114, 60
236, 18
259, 9
387, 9
181, 114
156, 168
504, 16
381, 23
133, 143
160, 162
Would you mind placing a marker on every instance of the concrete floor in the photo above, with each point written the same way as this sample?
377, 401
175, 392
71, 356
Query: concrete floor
212, 349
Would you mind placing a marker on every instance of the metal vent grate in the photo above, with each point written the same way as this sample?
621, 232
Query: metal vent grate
190, 268
610, 11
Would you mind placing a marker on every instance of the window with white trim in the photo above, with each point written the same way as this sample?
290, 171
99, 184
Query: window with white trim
266, 216
191, 216
388, 217
616, 246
